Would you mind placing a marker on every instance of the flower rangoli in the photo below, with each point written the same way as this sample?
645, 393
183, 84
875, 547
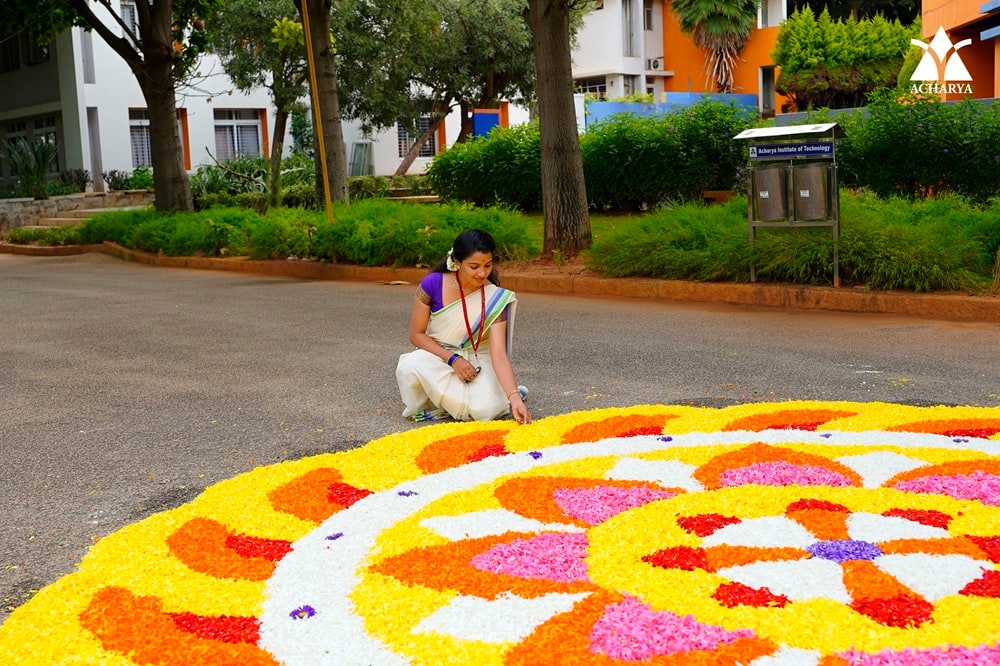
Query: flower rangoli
808, 533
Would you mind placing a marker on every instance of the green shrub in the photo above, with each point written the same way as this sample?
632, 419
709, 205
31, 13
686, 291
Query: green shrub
376, 232
29, 164
917, 147
115, 226
300, 195
629, 162
503, 168
942, 244
255, 201
282, 234
44, 236
116, 180
141, 178
78, 179
214, 200
214, 232
633, 162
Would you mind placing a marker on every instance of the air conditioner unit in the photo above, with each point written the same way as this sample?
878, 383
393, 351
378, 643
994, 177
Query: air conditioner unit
654, 63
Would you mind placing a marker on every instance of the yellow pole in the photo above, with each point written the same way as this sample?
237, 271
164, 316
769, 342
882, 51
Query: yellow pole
318, 125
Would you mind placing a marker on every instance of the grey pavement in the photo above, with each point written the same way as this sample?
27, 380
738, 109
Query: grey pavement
127, 389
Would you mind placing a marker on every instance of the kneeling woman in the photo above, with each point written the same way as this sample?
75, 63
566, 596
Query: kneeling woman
461, 325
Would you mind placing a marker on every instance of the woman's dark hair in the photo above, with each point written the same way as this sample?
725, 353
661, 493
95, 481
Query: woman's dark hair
466, 244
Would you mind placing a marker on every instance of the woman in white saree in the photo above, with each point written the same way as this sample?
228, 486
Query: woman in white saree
461, 327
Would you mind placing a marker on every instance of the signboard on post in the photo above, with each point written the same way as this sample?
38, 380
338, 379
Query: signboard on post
793, 180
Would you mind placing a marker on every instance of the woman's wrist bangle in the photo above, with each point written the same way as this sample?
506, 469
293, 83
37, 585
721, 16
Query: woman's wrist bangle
510, 393
451, 361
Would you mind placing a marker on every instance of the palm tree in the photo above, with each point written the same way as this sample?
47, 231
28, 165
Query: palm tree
722, 27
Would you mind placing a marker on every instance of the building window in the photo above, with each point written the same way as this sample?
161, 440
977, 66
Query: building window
629, 35
647, 14
35, 54
141, 142
10, 53
405, 140
138, 128
130, 19
595, 85
15, 129
45, 130
237, 132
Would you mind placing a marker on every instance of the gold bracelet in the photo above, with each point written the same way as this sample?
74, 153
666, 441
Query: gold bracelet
510, 393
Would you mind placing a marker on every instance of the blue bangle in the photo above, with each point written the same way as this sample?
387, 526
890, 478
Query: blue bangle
454, 357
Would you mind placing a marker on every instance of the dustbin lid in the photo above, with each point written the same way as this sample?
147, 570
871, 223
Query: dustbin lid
831, 130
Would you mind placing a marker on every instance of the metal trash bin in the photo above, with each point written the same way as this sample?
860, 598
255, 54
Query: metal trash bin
770, 193
811, 191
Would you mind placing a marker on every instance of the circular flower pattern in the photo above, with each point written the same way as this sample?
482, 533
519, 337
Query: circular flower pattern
770, 533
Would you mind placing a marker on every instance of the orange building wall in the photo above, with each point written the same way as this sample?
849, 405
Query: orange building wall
688, 62
949, 13
958, 17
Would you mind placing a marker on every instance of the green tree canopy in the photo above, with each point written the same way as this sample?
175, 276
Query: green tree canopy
722, 28
410, 59
261, 46
160, 49
838, 63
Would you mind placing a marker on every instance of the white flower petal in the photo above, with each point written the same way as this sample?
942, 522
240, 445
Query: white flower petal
873, 528
769, 532
798, 580
506, 619
787, 656
878, 467
667, 473
933, 576
489, 522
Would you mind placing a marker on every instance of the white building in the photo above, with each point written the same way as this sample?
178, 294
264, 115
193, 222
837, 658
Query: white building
80, 95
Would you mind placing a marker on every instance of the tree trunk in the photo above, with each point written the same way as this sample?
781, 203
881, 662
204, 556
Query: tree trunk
328, 101
170, 179
277, 150
564, 191
466, 130
414, 150
154, 71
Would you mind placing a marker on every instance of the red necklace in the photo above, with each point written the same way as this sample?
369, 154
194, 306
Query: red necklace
465, 313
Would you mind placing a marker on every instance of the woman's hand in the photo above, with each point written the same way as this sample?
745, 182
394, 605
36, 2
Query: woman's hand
464, 369
519, 410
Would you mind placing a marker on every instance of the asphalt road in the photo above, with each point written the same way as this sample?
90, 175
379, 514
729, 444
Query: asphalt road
127, 389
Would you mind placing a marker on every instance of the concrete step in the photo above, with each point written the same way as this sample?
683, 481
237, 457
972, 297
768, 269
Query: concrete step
68, 218
58, 222
422, 198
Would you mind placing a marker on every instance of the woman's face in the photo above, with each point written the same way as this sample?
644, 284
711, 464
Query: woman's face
474, 269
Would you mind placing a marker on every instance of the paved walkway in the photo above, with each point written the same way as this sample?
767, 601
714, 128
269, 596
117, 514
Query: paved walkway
126, 389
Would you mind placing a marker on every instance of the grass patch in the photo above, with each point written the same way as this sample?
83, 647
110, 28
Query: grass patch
942, 244
49, 236
371, 232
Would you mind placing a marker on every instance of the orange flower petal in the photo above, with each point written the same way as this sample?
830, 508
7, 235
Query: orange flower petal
448, 567
308, 497
461, 449
794, 419
138, 627
953, 427
617, 426
207, 547
534, 497
711, 472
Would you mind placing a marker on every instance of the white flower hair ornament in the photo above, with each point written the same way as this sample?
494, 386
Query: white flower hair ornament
450, 262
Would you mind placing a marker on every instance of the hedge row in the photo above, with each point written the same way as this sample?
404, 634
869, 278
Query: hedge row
372, 232
910, 147
629, 162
